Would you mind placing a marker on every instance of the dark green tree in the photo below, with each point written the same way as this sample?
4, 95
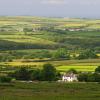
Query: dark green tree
5, 79
36, 75
72, 71
48, 72
22, 74
87, 54
97, 70
83, 77
61, 53
97, 77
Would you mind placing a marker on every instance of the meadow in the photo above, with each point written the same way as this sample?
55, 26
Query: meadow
63, 66
50, 91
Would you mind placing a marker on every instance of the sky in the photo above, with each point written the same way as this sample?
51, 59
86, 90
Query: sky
51, 8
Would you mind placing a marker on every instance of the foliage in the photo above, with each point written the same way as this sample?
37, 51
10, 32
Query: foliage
72, 71
88, 54
90, 77
61, 53
5, 79
97, 70
22, 74
36, 75
48, 72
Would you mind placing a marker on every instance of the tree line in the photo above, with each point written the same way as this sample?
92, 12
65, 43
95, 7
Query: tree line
49, 73
58, 54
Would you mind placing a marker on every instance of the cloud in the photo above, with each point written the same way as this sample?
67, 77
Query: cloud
54, 2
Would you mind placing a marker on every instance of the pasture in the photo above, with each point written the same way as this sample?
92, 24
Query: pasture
24, 38
49, 91
62, 66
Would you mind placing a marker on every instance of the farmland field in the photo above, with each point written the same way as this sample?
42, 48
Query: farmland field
62, 66
34, 41
50, 91
24, 41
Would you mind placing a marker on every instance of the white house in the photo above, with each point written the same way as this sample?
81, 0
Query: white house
69, 77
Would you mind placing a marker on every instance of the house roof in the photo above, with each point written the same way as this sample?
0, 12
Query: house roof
69, 75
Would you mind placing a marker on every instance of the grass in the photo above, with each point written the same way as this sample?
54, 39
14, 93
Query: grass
50, 91
78, 68
70, 40
30, 42
64, 65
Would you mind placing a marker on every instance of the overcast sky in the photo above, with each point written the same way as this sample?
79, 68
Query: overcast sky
51, 8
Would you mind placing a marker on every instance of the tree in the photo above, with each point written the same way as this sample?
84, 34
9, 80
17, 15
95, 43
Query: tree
48, 72
22, 74
97, 77
97, 70
36, 75
5, 79
61, 53
87, 54
83, 77
27, 30
72, 71
89, 77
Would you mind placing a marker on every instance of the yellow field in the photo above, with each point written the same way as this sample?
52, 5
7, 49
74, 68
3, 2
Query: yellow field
79, 65
78, 68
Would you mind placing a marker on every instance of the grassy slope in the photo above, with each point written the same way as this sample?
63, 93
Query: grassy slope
30, 42
71, 40
50, 91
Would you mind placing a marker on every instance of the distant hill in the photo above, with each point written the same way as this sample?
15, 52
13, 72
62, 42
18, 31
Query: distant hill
48, 33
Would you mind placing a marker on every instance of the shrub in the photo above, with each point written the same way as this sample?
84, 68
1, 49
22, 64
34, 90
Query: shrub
22, 74
5, 79
83, 77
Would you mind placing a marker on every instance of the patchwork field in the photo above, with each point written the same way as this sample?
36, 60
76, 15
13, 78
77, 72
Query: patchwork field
31, 42
24, 38
80, 65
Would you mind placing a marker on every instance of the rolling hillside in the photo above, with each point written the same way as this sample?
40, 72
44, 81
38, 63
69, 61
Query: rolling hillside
48, 33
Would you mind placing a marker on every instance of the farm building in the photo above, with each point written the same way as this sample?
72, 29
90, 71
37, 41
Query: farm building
69, 77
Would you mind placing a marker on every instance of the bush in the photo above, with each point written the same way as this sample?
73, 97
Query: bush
5, 79
89, 77
22, 74
83, 77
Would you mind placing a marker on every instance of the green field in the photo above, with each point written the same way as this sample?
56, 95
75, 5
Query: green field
13, 36
88, 65
50, 91
31, 42
24, 38
78, 68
